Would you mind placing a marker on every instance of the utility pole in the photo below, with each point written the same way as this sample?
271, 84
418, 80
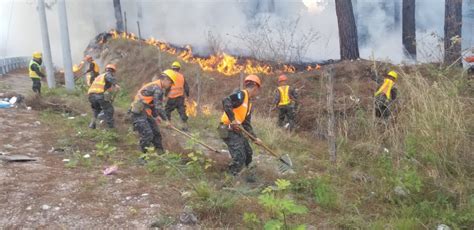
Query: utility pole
67, 62
48, 60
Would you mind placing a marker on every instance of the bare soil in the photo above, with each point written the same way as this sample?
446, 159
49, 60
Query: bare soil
46, 194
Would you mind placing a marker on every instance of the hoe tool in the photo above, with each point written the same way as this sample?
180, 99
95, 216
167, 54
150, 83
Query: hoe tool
286, 165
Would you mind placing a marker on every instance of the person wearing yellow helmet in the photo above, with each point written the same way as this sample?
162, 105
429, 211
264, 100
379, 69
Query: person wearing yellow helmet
237, 114
385, 95
35, 72
147, 109
177, 96
100, 96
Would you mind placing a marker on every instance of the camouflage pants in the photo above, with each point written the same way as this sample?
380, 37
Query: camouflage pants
286, 113
98, 104
240, 151
178, 104
382, 107
148, 131
36, 85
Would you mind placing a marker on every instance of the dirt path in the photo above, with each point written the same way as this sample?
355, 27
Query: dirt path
46, 194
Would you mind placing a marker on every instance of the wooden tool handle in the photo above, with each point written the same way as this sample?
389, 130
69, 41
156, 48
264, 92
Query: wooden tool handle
197, 141
259, 144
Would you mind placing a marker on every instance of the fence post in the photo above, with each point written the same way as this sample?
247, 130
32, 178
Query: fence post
331, 120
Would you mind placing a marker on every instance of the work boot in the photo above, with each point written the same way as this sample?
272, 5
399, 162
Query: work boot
251, 174
185, 127
92, 125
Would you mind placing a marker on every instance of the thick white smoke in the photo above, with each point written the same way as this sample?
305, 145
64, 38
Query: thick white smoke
189, 21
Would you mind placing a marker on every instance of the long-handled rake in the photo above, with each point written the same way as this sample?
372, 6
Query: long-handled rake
286, 165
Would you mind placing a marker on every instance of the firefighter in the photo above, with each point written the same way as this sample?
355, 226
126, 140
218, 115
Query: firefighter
147, 108
92, 69
100, 96
176, 96
385, 95
470, 65
286, 102
237, 114
35, 72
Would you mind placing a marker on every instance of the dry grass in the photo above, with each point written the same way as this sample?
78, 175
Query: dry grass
424, 148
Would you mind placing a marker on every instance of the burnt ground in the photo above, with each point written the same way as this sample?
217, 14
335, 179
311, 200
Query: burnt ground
47, 194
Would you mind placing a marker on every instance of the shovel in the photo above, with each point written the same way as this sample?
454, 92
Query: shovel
285, 160
194, 139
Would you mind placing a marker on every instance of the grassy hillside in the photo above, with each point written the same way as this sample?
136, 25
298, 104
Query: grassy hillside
412, 172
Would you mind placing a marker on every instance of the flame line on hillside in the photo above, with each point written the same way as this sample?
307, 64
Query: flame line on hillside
223, 63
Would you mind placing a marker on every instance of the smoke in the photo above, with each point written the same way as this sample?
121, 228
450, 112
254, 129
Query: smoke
185, 22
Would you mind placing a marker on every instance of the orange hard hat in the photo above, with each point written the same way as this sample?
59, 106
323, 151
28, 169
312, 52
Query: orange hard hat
253, 78
111, 66
88, 58
282, 78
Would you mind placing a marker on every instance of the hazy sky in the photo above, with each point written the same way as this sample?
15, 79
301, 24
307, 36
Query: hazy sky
188, 21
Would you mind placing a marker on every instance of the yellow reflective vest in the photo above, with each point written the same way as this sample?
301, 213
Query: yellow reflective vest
89, 75
98, 86
31, 72
386, 88
284, 95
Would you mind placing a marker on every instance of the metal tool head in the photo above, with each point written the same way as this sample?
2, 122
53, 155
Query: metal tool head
286, 165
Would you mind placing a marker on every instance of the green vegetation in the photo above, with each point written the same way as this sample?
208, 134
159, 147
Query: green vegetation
278, 207
411, 172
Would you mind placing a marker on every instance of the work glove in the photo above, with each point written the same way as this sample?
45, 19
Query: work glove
158, 120
234, 125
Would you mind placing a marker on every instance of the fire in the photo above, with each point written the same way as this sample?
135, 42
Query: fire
191, 108
223, 63
310, 68
289, 68
206, 109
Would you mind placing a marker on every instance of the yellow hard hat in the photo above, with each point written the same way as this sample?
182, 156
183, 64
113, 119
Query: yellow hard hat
176, 65
393, 74
37, 55
170, 74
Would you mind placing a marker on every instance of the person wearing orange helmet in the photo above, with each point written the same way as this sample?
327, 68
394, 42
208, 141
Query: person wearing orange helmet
286, 101
92, 71
147, 107
237, 114
100, 96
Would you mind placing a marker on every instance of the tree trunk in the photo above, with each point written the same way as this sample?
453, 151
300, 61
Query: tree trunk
409, 28
452, 31
118, 15
348, 41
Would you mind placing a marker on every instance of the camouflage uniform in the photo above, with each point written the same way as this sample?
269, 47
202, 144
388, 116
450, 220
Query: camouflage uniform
145, 108
237, 143
286, 112
103, 102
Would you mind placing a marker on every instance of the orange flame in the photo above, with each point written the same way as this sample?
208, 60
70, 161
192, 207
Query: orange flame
223, 63
191, 108
206, 109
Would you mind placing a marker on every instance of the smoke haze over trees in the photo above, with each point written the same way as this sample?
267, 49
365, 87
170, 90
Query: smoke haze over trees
189, 22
